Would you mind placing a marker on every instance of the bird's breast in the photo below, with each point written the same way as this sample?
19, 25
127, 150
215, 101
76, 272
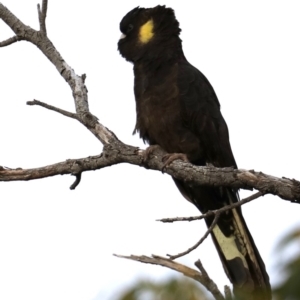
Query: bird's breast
159, 112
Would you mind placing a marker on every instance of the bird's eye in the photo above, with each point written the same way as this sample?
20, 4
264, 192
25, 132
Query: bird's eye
129, 28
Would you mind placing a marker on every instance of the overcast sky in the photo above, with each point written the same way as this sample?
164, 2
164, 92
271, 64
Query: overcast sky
57, 243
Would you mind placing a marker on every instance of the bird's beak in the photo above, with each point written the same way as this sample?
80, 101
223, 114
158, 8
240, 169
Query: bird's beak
122, 36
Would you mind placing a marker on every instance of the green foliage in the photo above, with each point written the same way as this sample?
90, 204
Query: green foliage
172, 289
290, 287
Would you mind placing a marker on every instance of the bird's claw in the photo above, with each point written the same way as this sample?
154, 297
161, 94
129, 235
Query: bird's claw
148, 152
170, 157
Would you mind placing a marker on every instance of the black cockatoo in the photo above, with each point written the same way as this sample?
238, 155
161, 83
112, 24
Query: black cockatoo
177, 109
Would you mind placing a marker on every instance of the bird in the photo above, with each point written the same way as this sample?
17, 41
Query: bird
178, 110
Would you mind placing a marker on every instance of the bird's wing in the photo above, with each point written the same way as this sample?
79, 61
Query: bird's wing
201, 114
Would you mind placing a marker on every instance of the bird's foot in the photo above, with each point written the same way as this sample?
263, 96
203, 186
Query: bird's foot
148, 152
169, 158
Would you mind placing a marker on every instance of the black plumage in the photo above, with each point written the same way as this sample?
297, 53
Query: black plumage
178, 110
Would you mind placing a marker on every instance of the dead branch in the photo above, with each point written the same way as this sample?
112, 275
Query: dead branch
216, 213
227, 292
287, 189
209, 283
76, 182
201, 276
117, 152
42, 13
10, 41
53, 108
208, 231
212, 213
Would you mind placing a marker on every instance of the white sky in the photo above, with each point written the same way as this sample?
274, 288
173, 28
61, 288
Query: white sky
57, 243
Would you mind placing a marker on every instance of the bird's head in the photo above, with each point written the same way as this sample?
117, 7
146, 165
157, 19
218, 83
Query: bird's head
149, 34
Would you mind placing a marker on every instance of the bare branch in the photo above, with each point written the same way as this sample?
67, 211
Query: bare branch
208, 231
216, 213
285, 188
76, 83
10, 41
228, 293
46, 46
201, 277
42, 16
70, 166
44, 8
50, 107
209, 283
117, 152
76, 182
211, 213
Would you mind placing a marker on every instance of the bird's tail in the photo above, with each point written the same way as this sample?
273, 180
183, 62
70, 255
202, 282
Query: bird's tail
235, 245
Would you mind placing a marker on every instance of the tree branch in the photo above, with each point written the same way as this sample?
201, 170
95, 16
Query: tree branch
211, 213
10, 41
287, 189
209, 283
46, 46
216, 213
208, 231
116, 151
201, 276
227, 292
76, 182
53, 108
42, 16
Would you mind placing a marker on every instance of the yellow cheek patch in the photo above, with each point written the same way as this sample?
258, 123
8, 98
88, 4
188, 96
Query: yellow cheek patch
146, 32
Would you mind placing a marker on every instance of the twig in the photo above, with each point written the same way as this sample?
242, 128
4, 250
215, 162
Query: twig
187, 271
211, 213
48, 49
42, 16
76, 182
44, 8
228, 293
216, 213
209, 283
10, 41
208, 231
53, 108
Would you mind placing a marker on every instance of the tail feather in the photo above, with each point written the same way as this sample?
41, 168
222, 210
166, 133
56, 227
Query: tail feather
241, 259
234, 243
